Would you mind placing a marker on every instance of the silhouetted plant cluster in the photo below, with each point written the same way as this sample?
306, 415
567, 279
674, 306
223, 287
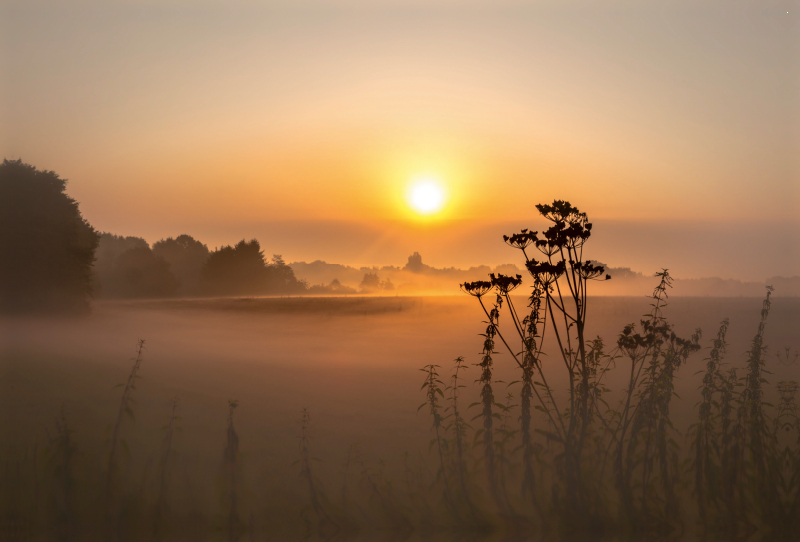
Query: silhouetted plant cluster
585, 464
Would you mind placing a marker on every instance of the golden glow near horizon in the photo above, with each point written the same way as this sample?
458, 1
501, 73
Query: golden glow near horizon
242, 114
426, 196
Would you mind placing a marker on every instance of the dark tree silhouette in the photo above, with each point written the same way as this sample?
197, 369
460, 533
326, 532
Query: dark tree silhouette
236, 270
126, 267
46, 246
186, 258
372, 284
140, 273
108, 250
415, 264
242, 270
281, 279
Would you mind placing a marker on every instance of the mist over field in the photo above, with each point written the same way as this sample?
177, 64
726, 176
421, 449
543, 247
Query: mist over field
353, 363
399, 271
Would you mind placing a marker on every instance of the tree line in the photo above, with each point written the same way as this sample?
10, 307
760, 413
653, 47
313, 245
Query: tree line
128, 267
51, 258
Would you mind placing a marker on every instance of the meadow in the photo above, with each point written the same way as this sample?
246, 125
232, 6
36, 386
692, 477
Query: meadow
353, 363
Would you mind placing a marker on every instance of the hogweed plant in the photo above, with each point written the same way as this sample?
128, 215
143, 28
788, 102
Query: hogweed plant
560, 290
487, 403
735, 462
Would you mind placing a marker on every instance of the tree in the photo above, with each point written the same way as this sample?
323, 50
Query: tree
370, 284
186, 258
236, 270
126, 267
415, 264
242, 270
281, 279
46, 246
140, 273
109, 248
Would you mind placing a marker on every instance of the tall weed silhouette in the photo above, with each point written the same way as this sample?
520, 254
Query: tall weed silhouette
118, 445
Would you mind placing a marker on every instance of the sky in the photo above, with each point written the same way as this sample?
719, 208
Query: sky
674, 125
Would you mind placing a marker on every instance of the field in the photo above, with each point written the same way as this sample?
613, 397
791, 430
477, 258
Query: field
353, 363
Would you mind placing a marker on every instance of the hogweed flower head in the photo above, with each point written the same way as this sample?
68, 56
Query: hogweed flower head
478, 288
504, 283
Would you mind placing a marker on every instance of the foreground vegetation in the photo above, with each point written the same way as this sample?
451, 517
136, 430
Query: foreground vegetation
546, 459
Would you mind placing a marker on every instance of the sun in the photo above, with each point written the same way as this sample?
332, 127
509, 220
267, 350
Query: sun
426, 196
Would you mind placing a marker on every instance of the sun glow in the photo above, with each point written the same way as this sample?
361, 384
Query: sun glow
426, 196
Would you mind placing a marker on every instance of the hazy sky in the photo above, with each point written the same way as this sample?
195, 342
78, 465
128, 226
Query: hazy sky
285, 121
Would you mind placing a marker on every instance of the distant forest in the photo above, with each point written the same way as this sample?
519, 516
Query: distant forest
417, 277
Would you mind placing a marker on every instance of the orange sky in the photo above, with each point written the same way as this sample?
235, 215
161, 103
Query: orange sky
224, 121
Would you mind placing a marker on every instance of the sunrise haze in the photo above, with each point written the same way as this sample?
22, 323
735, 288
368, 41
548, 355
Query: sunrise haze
305, 124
